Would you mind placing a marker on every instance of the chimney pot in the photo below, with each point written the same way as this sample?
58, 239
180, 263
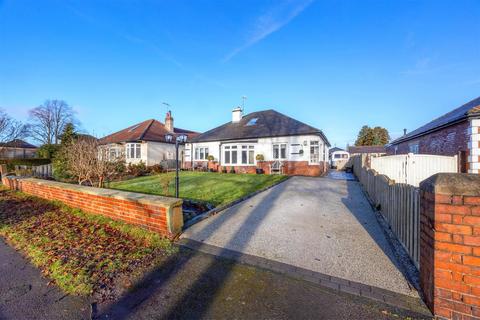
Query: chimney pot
404, 132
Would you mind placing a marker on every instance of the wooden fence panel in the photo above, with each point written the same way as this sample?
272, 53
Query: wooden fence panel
412, 168
399, 204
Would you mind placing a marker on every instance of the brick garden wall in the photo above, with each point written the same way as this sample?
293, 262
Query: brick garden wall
450, 245
293, 168
155, 213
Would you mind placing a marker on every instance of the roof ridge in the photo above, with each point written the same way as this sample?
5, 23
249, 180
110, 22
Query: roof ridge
146, 129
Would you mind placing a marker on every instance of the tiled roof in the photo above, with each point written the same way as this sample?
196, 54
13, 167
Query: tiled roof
18, 143
367, 149
451, 117
149, 130
260, 124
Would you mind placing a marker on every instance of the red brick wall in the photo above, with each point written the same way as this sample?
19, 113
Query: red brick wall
450, 248
291, 168
151, 215
446, 142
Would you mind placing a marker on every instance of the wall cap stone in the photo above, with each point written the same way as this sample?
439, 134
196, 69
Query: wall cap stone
109, 193
452, 184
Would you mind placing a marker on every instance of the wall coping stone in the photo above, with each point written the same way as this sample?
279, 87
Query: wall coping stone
452, 184
109, 193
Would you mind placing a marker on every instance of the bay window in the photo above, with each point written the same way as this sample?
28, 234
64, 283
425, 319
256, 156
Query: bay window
227, 155
134, 150
239, 154
234, 154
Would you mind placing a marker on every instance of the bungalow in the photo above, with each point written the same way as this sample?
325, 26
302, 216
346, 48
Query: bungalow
375, 151
17, 149
264, 140
146, 141
338, 158
455, 133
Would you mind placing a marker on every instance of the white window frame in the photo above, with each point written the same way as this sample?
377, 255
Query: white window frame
201, 153
113, 153
136, 148
239, 150
279, 147
314, 156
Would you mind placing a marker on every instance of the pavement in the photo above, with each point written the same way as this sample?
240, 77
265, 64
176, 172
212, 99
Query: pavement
321, 224
195, 285
25, 294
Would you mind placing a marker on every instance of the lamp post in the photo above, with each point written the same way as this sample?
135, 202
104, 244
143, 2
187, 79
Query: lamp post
178, 140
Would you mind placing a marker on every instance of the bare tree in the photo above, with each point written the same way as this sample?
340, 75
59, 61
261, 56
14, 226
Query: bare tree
89, 162
10, 129
48, 120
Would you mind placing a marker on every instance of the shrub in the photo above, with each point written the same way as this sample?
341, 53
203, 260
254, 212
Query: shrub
210, 158
232, 170
137, 170
156, 168
48, 151
224, 170
260, 157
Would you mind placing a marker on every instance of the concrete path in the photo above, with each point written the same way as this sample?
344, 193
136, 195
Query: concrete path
320, 224
24, 293
341, 175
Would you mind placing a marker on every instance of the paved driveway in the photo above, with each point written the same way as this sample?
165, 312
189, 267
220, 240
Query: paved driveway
321, 224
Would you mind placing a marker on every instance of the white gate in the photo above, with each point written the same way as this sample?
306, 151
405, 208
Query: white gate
413, 168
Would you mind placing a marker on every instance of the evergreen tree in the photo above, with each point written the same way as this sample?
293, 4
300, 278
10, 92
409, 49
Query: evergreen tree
60, 170
377, 136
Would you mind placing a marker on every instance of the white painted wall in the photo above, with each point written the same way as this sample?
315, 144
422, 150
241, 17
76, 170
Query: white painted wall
474, 146
158, 151
152, 152
264, 146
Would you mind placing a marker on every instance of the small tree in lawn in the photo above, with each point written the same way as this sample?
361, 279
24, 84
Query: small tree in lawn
90, 163
105, 167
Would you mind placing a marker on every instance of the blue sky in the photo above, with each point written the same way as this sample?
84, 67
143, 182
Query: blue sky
336, 65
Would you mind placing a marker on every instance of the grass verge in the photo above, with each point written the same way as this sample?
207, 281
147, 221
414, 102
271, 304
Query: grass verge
83, 254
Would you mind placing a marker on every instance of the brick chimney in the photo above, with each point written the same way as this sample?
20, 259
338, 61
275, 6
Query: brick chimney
237, 114
169, 121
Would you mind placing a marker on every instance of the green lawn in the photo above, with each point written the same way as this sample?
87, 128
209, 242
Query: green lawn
215, 188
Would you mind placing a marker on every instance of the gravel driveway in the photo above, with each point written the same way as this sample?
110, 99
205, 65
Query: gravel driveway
321, 224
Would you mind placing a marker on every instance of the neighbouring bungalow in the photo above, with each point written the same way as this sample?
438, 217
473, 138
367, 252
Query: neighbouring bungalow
265, 141
375, 151
146, 142
17, 149
338, 157
455, 133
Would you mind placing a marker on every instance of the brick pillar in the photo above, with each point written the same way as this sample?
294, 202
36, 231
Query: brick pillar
474, 146
450, 245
